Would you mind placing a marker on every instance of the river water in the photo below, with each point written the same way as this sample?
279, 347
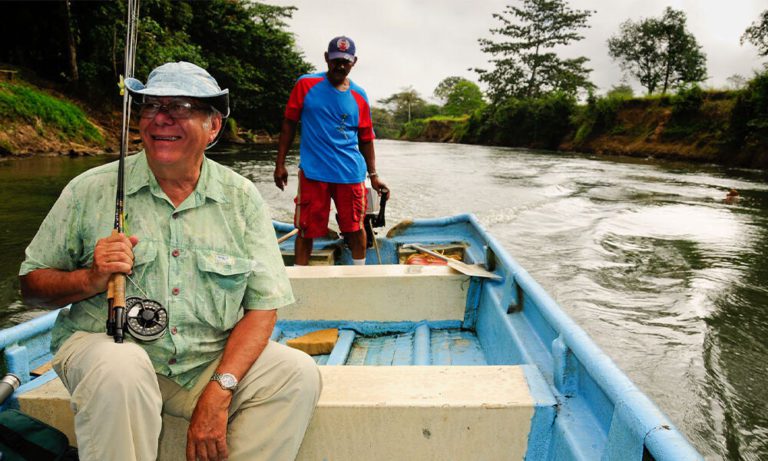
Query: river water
648, 257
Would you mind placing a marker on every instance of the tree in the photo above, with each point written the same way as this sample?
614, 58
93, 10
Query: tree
250, 52
659, 52
444, 88
736, 81
407, 105
757, 34
384, 123
525, 65
622, 91
459, 96
244, 44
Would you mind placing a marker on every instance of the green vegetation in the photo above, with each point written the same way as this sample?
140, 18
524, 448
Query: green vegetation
749, 119
597, 116
243, 44
459, 95
536, 122
757, 34
525, 65
660, 53
532, 99
45, 112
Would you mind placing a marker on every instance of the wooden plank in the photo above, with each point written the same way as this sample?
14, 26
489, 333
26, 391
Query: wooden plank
41, 369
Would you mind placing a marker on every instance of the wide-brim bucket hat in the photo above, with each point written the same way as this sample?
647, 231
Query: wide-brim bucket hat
182, 79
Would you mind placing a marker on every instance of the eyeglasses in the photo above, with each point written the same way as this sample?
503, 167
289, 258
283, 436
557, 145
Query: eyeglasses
176, 108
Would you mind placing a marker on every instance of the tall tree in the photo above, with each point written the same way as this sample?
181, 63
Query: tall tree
459, 96
525, 64
757, 34
659, 52
73, 72
407, 105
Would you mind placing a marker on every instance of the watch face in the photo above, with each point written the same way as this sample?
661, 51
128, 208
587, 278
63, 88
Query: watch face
227, 381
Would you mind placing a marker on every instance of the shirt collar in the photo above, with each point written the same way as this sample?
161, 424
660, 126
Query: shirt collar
138, 175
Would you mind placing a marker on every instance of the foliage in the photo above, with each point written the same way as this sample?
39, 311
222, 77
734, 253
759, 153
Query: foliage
243, 44
414, 128
538, 122
736, 81
445, 87
439, 128
622, 91
524, 64
460, 96
660, 53
757, 34
687, 102
384, 124
251, 54
41, 110
749, 118
598, 116
408, 105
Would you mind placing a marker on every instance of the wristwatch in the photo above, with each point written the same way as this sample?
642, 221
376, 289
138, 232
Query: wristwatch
227, 381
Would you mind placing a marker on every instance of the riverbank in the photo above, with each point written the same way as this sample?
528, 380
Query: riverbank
723, 127
39, 119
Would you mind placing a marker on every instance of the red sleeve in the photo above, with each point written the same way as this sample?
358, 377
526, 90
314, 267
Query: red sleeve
296, 100
365, 128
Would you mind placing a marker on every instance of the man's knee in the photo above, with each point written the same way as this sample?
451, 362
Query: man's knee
112, 364
299, 372
307, 374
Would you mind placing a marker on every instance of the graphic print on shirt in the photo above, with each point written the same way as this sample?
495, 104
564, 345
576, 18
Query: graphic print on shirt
342, 128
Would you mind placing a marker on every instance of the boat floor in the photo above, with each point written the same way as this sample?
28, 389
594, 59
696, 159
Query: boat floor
447, 346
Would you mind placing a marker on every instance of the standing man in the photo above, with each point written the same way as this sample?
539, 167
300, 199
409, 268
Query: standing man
336, 152
205, 248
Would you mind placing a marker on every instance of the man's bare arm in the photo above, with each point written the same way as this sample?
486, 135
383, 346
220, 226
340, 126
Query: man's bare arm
369, 154
287, 135
51, 288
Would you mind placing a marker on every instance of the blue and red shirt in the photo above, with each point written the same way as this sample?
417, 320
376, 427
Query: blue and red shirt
333, 123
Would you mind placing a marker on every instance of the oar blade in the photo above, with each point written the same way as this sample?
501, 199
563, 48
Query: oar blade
464, 268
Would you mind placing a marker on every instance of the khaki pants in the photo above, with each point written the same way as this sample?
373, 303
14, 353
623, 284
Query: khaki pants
118, 400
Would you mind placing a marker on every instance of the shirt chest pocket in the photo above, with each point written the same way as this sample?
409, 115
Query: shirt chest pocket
222, 283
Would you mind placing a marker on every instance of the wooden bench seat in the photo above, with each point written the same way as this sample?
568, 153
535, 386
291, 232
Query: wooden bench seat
380, 293
381, 413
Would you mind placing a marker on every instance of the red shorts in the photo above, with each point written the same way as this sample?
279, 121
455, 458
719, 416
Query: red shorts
313, 206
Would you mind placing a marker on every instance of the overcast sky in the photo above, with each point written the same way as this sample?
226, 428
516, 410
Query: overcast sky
418, 43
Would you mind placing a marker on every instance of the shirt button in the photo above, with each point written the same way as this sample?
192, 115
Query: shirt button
175, 253
172, 361
175, 291
175, 216
174, 331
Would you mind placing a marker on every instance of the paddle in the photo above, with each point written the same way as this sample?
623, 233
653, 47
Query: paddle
287, 236
467, 269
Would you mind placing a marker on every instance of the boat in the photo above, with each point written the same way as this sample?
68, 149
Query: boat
469, 359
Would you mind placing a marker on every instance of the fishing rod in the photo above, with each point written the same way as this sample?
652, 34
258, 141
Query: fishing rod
144, 319
116, 285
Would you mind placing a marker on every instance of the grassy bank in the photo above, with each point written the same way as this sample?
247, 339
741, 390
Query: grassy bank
33, 120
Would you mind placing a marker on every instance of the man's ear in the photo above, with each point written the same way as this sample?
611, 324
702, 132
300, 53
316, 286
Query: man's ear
216, 126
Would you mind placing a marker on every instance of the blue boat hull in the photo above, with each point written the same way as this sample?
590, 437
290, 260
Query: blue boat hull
585, 407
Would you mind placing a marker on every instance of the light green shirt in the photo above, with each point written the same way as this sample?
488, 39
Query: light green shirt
204, 261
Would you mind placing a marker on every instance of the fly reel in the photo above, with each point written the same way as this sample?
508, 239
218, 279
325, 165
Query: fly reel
146, 319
